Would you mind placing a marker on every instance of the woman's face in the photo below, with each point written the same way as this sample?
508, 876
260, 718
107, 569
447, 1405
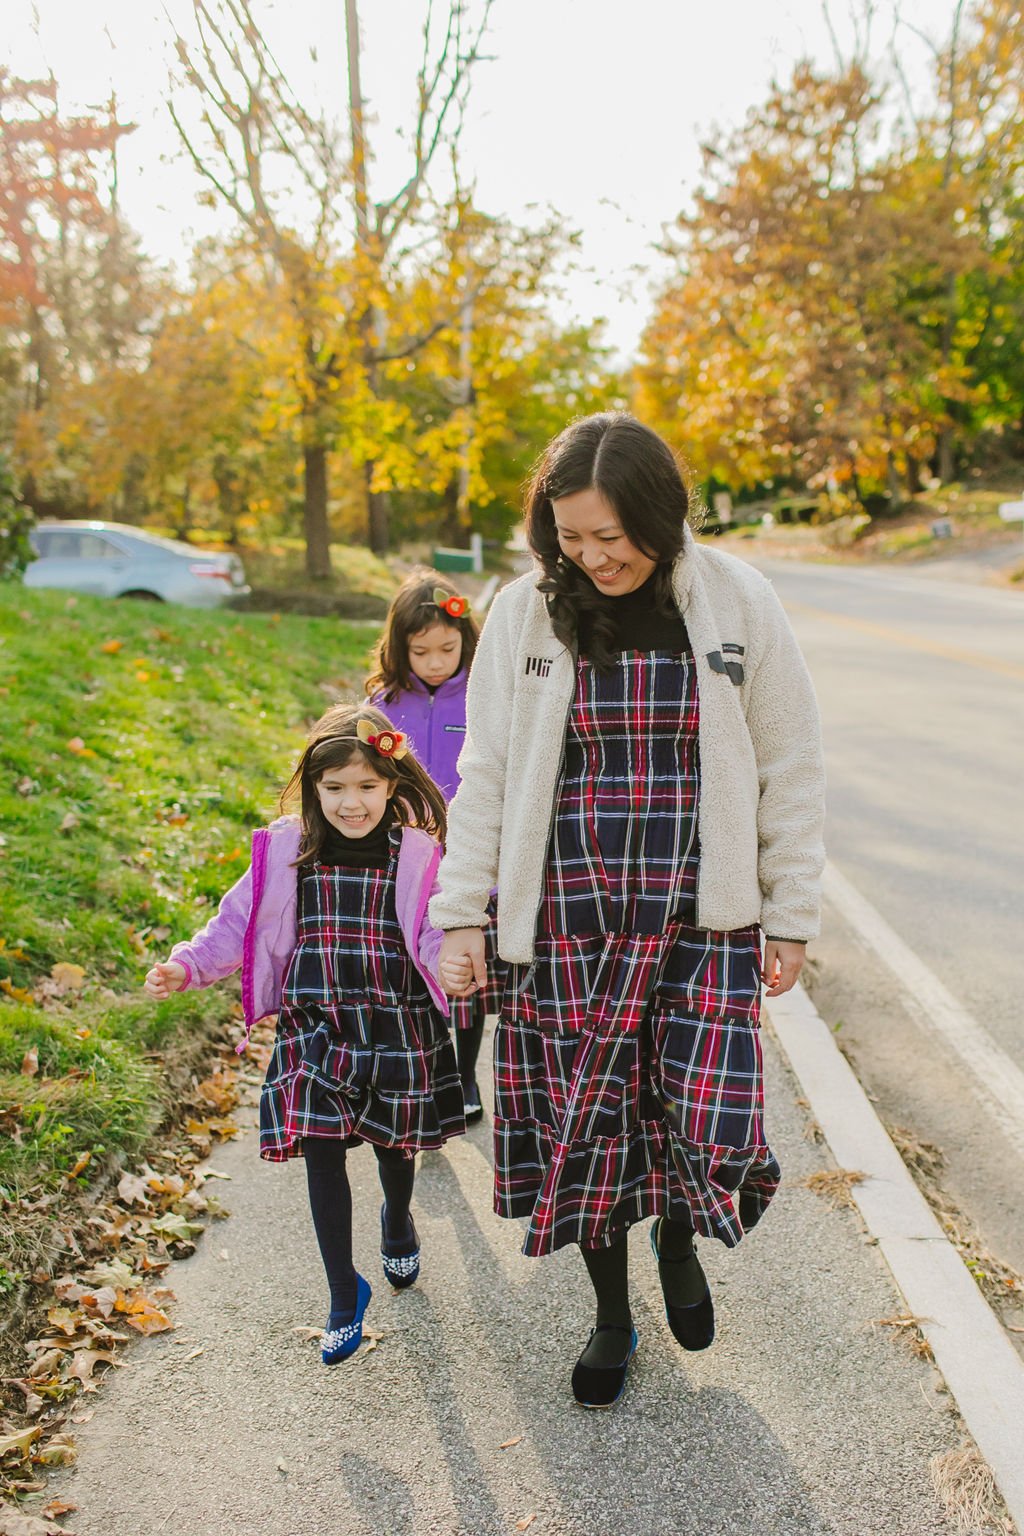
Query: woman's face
591, 536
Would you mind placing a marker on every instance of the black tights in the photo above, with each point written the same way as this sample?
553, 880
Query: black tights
608, 1269
330, 1200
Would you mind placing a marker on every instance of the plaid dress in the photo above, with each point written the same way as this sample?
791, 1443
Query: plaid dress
361, 1053
628, 1071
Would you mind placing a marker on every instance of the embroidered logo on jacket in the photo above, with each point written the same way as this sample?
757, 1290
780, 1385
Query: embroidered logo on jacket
538, 666
733, 670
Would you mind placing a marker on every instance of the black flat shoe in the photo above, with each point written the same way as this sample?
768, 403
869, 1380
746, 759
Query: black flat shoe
474, 1108
692, 1327
402, 1271
602, 1386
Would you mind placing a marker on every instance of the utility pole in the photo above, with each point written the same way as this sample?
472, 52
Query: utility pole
366, 254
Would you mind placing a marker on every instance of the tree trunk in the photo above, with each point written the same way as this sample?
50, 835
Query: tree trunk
946, 461
378, 509
314, 507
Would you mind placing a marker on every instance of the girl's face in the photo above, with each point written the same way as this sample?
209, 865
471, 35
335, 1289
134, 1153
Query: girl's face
354, 798
590, 535
435, 653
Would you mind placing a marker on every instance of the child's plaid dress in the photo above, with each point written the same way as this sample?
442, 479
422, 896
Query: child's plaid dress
362, 1053
628, 1071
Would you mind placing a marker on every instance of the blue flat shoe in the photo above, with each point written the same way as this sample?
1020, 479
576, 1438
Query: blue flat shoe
399, 1270
595, 1386
692, 1327
338, 1344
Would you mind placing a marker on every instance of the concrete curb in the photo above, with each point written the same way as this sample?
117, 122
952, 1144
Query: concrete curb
982, 1369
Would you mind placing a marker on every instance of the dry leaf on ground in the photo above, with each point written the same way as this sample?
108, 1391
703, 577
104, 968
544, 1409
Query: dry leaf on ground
835, 1185
30, 1062
524, 1524
506, 1445
14, 1523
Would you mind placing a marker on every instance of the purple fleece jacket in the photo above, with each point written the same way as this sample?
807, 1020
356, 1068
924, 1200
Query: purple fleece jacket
255, 926
435, 724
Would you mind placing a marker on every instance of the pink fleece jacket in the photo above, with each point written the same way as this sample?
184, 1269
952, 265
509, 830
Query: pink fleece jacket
256, 925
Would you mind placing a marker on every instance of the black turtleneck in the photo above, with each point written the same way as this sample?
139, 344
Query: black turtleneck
369, 852
640, 624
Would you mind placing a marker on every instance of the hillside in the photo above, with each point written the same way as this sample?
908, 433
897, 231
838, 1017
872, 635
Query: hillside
139, 746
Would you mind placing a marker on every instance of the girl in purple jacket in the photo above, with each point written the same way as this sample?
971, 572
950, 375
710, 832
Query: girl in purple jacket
421, 667
329, 928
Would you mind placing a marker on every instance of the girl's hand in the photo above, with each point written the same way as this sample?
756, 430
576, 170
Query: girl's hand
462, 963
164, 979
783, 963
456, 976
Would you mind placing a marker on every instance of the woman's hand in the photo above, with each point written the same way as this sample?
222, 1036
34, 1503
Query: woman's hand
164, 979
462, 963
783, 963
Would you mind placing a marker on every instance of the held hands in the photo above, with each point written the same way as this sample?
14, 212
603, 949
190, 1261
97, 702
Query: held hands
462, 966
164, 979
782, 965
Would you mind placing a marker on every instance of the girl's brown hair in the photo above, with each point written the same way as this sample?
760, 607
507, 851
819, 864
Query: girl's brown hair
414, 609
333, 743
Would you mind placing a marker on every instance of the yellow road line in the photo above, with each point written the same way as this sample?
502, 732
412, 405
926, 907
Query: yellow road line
911, 642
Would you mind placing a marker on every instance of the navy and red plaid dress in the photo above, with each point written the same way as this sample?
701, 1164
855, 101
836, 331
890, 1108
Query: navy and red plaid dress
362, 1053
628, 1070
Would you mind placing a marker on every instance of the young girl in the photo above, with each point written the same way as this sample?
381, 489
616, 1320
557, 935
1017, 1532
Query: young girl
329, 928
421, 667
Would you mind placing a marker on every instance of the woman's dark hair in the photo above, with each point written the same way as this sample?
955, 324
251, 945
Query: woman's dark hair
333, 743
414, 609
636, 472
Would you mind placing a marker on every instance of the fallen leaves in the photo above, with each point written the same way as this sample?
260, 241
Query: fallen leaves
835, 1185
30, 1062
70, 978
525, 1523
14, 1523
506, 1445
111, 647
77, 747
19, 994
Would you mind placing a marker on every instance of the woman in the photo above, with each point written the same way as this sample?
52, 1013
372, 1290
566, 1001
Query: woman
642, 778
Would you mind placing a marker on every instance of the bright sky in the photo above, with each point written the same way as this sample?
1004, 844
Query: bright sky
594, 108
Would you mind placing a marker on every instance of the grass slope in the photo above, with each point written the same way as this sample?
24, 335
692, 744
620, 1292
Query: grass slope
139, 746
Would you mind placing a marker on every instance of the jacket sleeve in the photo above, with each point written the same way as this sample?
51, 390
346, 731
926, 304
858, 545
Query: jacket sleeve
782, 717
469, 869
216, 950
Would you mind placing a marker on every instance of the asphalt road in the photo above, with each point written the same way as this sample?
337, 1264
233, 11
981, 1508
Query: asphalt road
807, 1417
921, 686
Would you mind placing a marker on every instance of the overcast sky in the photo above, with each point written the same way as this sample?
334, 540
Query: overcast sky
594, 108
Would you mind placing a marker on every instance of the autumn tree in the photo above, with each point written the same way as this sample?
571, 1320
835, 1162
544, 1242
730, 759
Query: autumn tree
806, 335
281, 171
55, 227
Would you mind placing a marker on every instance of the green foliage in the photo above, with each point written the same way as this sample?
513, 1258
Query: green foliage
15, 522
136, 756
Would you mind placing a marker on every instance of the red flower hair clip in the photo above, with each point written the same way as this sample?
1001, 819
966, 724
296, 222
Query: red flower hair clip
454, 606
388, 743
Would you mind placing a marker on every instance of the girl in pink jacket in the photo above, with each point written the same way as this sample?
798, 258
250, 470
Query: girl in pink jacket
329, 928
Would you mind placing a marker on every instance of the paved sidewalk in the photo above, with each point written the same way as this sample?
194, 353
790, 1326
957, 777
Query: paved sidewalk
802, 1420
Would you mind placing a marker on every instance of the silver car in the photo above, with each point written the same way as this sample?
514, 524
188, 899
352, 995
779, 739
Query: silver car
117, 560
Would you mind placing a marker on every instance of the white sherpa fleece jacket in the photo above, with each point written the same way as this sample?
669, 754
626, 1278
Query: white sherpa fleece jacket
762, 778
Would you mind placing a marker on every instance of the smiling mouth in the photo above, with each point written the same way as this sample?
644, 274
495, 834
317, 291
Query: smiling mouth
608, 574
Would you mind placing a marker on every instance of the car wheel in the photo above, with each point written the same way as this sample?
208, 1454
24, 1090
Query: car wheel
144, 597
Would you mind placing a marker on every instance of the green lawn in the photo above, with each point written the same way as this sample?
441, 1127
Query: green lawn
139, 746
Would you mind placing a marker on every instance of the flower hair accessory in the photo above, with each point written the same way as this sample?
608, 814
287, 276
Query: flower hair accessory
388, 743
454, 606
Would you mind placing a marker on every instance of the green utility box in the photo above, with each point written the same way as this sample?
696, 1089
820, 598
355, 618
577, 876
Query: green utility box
453, 560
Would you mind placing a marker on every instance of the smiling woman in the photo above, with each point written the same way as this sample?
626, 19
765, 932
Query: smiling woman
642, 779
